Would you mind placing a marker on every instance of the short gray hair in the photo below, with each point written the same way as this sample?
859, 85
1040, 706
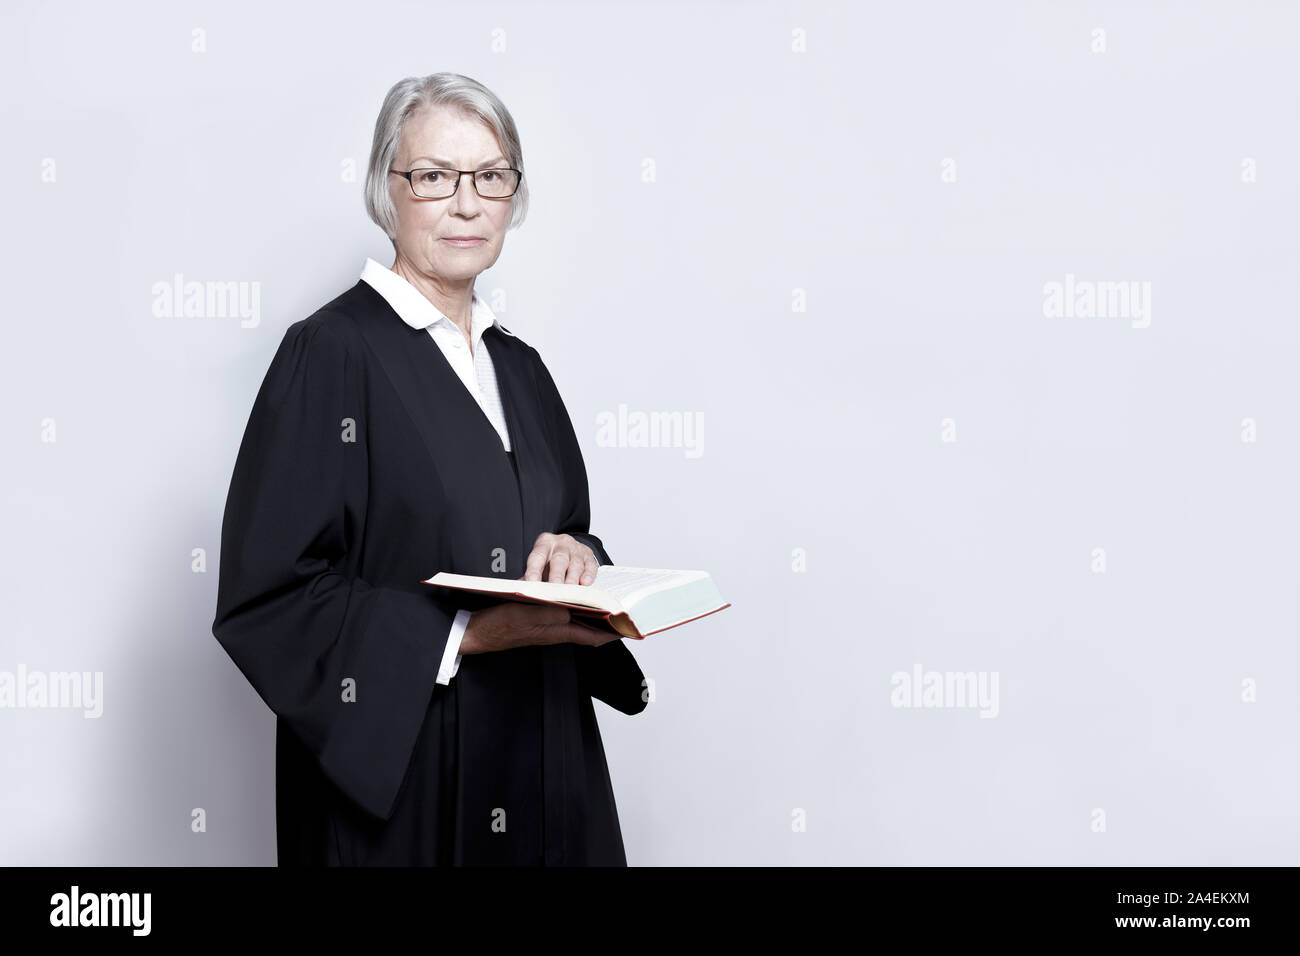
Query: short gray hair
413, 94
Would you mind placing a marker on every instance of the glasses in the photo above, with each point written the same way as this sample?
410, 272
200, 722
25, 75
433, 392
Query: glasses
430, 183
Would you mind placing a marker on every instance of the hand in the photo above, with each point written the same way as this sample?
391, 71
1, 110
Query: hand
512, 624
568, 560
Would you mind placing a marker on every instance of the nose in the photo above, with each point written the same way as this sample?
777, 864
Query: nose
466, 199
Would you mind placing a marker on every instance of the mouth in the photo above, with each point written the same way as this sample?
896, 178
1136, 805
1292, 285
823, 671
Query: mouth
463, 241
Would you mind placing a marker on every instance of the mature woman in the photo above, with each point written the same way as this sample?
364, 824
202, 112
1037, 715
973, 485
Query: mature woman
402, 430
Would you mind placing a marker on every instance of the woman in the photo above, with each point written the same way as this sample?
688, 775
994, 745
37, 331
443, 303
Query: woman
400, 431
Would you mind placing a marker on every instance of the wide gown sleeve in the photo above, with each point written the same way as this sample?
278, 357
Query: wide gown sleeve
609, 672
301, 628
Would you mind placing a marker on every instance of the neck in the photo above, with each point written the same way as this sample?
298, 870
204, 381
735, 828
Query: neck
453, 299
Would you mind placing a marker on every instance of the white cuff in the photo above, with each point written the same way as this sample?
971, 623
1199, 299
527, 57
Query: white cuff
449, 666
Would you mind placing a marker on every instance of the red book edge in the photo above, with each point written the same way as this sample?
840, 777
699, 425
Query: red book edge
607, 616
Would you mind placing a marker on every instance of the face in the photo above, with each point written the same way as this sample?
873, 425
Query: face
448, 138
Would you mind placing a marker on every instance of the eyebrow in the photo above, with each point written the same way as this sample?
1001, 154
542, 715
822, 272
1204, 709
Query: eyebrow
448, 164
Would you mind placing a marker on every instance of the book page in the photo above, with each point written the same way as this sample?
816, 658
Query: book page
631, 584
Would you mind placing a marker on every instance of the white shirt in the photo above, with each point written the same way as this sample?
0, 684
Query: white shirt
475, 370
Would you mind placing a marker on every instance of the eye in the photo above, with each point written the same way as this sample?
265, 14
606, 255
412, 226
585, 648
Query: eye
430, 175
488, 174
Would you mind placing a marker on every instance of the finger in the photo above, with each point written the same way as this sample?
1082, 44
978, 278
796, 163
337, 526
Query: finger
598, 629
605, 637
537, 560
577, 568
559, 566
589, 567
583, 634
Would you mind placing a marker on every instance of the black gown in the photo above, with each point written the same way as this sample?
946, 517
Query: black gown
366, 467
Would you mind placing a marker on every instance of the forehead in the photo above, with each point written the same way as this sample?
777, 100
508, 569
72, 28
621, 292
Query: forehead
448, 133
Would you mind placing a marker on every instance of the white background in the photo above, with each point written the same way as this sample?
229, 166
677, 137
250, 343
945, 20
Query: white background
773, 171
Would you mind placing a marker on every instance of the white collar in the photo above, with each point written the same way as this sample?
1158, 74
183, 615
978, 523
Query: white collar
417, 311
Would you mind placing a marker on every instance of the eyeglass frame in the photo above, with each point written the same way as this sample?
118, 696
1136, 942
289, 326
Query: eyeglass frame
459, 173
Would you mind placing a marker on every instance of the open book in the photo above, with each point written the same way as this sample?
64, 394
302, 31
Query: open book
634, 602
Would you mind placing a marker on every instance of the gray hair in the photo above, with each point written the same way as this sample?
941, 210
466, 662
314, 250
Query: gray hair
413, 94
